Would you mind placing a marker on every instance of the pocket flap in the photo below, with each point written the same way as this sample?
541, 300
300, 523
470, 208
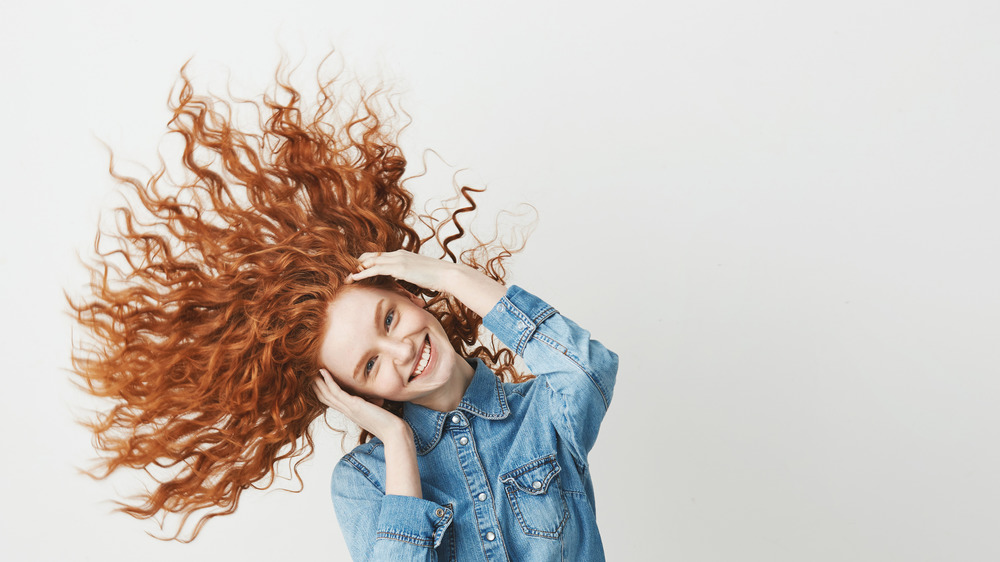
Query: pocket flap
533, 477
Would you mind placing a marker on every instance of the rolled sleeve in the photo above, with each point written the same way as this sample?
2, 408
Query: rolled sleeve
412, 520
377, 526
578, 370
515, 318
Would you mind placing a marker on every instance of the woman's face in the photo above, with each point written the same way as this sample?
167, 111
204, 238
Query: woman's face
381, 343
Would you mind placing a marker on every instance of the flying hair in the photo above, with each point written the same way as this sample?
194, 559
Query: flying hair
204, 314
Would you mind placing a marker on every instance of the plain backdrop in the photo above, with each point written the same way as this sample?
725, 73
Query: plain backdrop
782, 215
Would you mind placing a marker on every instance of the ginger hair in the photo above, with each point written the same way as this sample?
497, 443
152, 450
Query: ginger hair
205, 316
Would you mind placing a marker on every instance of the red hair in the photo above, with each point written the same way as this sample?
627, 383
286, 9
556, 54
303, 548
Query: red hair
206, 316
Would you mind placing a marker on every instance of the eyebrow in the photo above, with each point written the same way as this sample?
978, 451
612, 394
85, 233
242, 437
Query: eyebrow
358, 370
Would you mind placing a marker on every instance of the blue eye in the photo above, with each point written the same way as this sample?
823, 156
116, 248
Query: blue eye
388, 324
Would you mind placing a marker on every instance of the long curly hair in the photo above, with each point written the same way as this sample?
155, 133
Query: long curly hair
205, 313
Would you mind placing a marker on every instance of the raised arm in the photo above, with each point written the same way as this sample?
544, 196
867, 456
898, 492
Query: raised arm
382, 520
402, 477
579, 373
473, 288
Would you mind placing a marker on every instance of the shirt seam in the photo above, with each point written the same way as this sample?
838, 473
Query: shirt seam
357, 465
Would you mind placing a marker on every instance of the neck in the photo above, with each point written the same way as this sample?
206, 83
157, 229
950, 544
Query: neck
450, 395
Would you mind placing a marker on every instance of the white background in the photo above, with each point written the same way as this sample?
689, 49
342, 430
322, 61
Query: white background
783, 216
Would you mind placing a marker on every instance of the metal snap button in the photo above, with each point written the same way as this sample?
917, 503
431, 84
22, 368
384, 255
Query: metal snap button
536, 484
490, 536
455, 419
463, 441
439, 512
482, 496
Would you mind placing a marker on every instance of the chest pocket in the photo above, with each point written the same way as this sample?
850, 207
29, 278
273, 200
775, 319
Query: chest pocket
536, 498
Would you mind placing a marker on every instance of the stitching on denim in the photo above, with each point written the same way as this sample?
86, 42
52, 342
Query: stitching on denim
437, 434
544, 315
404, 537
356, 464
532, 465
512, 492
512, 489
502, 398
491, 510
551, 342
468, 486
421, 446
525, 334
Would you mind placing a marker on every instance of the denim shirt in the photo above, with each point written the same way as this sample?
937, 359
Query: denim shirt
505, 474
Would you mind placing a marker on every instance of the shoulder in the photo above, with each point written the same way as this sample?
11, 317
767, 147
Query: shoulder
365, 461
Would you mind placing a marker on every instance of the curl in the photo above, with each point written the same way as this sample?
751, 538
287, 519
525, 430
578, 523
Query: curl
207, 301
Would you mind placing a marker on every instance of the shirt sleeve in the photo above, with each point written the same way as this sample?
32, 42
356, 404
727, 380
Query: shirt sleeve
377, 526
578, 370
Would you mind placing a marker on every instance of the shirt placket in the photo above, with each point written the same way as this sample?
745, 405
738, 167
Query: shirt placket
477, 482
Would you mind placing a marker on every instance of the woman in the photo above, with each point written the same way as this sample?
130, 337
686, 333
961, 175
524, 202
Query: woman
502, 470
292, 249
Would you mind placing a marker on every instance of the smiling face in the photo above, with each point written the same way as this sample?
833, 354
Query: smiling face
381, 343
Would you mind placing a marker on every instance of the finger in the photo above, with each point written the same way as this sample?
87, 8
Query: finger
365, 262
345, 400
373, 271
326, 384
329, 387
368, 256
328, 379
322, 394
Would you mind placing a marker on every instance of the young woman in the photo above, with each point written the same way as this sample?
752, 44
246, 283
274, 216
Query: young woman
473, 469
283, 273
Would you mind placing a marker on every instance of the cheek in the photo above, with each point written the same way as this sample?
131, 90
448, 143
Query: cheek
387, 383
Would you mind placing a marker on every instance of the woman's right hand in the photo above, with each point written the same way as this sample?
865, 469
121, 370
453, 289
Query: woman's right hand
369, 415
402, 475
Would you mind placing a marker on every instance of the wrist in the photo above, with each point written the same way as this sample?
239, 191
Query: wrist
476, 290
399, 436
454, 276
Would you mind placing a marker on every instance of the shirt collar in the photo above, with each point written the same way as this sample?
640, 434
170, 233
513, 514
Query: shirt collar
484, 398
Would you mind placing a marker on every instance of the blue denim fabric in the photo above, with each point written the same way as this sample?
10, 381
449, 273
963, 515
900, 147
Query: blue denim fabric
504, 475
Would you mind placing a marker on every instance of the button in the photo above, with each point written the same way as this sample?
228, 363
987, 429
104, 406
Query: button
490, 536
463, 441
536, 484
439, 512
482, 496
455, 419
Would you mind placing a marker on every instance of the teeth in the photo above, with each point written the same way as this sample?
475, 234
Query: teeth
425, 356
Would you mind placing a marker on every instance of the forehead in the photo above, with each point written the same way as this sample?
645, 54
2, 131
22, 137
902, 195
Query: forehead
350, 328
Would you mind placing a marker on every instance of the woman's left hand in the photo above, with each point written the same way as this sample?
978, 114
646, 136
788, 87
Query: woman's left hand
472, 287
429, 273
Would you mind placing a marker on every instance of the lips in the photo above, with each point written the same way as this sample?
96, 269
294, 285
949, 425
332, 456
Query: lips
424, 360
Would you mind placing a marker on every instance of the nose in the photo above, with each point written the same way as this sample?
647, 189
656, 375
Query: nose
401, 350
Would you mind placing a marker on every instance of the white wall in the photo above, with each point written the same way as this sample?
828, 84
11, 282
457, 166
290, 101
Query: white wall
782, 215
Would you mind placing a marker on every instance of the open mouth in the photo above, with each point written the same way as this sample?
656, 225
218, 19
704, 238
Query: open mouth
425, 359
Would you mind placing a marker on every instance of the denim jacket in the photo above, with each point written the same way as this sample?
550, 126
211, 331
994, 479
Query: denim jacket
504, 475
